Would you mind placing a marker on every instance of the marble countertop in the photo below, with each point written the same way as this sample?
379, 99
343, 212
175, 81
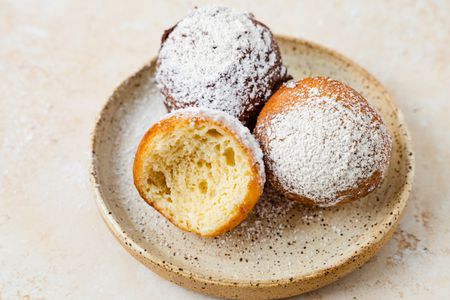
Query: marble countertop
60, 60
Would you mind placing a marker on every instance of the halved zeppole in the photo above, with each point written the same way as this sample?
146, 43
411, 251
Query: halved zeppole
201, 169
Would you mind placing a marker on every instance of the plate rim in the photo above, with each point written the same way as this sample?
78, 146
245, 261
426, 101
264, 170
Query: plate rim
347, 263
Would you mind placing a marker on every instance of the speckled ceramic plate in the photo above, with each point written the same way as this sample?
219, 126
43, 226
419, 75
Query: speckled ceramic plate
283, 248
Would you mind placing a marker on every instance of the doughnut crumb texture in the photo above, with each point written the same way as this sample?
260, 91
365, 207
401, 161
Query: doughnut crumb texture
219, 58
201, 169
323, 143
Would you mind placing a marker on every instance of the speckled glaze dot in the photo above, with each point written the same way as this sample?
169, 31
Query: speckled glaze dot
283, 248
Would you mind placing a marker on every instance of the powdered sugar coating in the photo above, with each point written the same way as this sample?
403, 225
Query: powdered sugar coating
289, 84
240, 131
323, 146
219, 58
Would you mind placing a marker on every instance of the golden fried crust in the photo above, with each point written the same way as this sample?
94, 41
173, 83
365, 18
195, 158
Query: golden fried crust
254, 188
284, 99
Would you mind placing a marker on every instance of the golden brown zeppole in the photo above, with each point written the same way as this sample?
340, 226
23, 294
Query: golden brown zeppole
201, 169
323, 143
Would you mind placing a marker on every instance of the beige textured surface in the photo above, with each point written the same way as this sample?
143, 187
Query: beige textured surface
60, 60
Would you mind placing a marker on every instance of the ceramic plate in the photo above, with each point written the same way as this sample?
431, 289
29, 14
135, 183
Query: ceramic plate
283, 248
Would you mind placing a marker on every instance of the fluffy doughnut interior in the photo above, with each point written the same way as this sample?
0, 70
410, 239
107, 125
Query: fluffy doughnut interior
196, 174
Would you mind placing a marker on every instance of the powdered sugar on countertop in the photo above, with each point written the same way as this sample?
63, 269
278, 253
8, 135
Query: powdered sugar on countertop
320, 147
219, 58
235, 126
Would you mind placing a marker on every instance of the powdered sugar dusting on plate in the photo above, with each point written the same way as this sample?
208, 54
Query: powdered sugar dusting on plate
219, 58
280, 239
